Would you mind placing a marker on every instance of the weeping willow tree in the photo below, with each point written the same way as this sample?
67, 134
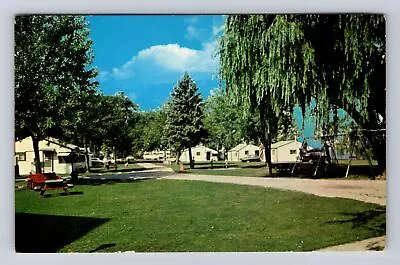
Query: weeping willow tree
275, 62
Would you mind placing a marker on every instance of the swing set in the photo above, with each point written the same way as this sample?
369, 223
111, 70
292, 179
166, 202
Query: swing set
324, 157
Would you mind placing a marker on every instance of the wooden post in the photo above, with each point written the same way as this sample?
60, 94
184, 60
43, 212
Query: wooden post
348, 167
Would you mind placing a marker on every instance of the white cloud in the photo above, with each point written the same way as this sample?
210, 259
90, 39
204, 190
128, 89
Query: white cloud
195, 30
103, 75
167, 58
125, 71
192, 32
159, 62
173, 57
217, 29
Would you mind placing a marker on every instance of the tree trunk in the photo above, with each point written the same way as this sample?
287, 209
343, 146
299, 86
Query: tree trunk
191, 158
73, 172
178, 154
35, 142
328, 154
266, 136
115, 159
376, 139
378, 144
86, 157
380, 153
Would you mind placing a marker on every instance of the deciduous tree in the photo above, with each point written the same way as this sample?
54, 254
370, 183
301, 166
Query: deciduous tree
52, 63
275, 62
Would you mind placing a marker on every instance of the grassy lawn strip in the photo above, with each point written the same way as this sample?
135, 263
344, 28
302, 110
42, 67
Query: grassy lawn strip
245, 172
172, 215
359, 170
253, 169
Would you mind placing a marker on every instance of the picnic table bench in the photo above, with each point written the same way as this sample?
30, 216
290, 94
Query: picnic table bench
47, 181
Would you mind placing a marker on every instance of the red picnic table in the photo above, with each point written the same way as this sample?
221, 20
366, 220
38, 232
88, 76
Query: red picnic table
47, 181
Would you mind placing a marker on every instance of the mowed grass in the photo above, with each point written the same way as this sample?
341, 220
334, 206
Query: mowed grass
360, 169
174, 215
252, 169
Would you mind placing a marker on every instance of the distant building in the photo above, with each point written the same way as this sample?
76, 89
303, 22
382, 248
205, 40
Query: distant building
242, 151
157, 155
285, 151
200, 153
54, 156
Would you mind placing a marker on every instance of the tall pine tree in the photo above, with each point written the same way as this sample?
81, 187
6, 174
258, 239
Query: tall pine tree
184, 125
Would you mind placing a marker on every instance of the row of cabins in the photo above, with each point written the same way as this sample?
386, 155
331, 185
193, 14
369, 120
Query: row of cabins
281, 152
63, 158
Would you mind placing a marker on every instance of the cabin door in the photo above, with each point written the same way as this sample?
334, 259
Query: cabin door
208, 156
48, 161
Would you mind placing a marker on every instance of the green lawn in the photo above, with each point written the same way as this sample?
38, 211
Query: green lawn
246, 172
359, 169
173, 215
252, 169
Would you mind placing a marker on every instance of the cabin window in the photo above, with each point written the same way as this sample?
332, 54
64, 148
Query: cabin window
197, 153
48, 155
246, 152
64, 159
293, 151
256, 153
21, 156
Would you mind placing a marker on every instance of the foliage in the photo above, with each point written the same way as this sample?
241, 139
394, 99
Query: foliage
275, 62
227, 123
148, 131
184, 122
118, 118
230, 123
52, 65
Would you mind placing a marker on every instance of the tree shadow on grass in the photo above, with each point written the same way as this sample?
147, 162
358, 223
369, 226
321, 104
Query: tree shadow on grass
110, 181
122, 170
373, 220
97, 182
40, 233
103, 246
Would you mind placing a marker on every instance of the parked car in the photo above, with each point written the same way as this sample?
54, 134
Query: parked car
97, 162
129, 159
251, 159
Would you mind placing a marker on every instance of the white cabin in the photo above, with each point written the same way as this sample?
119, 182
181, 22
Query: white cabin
54, 156
285, 151
243, 150
200, 153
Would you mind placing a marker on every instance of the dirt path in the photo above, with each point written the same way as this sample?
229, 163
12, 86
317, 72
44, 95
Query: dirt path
376, 243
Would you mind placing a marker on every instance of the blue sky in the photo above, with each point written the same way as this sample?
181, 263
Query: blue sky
145, 55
